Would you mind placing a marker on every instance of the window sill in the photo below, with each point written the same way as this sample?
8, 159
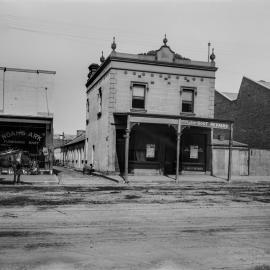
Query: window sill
187, 114
138, 110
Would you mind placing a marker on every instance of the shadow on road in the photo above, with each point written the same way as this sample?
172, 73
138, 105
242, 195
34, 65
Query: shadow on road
105, 177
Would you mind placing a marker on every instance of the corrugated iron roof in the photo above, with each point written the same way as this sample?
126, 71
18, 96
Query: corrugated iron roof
78, 139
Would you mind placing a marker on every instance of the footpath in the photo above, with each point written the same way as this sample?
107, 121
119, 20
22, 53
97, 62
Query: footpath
70, 177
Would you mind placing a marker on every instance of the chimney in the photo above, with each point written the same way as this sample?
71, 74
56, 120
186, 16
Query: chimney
92, 69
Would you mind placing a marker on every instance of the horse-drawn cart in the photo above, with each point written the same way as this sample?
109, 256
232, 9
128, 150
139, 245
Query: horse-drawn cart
17, 162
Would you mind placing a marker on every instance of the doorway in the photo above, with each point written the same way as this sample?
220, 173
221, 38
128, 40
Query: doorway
193, 152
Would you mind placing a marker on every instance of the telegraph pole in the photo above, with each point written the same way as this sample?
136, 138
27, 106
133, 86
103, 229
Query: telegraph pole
63, 142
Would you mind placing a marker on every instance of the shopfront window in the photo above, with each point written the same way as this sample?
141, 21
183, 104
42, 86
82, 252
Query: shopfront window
87, 105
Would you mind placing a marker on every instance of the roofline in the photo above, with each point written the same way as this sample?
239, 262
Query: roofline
111, 58
26, 119
28, 70
72, 141
261, 84
25, 116
224, 95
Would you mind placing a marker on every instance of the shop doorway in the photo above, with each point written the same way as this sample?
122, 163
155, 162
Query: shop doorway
152, 149
193, 156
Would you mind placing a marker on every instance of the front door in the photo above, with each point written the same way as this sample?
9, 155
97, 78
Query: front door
193, 152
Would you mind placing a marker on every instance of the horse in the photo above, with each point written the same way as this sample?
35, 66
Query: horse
13, 158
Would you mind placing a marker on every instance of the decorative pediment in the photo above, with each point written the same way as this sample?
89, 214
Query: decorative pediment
165, 53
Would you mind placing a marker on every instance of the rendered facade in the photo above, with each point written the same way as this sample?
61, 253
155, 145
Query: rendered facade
151, 113
26, 118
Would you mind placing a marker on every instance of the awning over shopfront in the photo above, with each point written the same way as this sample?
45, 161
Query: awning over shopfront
30, 134
178, 122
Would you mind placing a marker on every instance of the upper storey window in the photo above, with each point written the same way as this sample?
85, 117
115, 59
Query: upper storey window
87, 105
187, 100
138, 95
99, 101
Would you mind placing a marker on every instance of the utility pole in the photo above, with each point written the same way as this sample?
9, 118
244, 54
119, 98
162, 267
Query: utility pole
209, 44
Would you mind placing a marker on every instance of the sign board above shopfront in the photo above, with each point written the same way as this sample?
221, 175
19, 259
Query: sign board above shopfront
206, 124
174, 120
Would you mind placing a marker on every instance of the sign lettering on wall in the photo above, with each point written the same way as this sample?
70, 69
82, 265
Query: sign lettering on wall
198, 123
20, 133
21, 137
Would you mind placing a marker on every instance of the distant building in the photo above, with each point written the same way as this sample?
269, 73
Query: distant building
250, 111
60, 140
151, 113
73, 152
26, 116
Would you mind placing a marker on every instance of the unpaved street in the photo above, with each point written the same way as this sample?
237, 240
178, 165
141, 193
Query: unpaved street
190, 225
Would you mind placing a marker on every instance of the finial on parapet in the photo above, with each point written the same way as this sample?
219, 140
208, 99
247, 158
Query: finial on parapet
102, 59
165, 40
213, 56
113, 46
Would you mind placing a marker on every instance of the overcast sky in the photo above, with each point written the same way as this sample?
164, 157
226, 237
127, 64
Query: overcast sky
66, 36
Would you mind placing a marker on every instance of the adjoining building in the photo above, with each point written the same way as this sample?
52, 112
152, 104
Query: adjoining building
151, 113
250, 111
26, 118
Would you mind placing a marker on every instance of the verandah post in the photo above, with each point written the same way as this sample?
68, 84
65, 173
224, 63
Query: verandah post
178, 149
211, 151
230, 153
127, 149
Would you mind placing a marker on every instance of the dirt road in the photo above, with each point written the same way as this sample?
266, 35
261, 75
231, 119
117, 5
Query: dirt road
187, 226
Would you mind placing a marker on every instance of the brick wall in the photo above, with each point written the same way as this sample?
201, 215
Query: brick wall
250, 112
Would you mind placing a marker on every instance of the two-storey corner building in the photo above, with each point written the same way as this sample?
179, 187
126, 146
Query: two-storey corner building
26, 118
151, 113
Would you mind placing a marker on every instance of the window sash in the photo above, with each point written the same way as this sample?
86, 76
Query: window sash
138, 96
187, 95
187, 100
138, 91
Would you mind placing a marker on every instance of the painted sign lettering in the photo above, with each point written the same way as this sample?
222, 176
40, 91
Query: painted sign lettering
198, 123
